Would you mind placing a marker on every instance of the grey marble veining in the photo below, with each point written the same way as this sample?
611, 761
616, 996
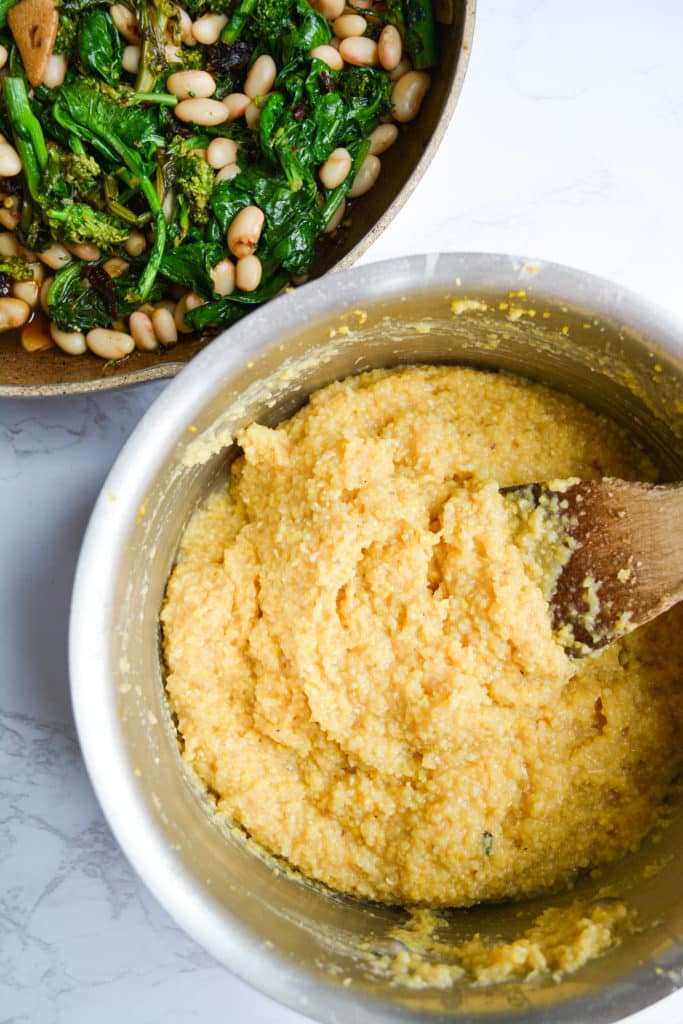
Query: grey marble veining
567, 145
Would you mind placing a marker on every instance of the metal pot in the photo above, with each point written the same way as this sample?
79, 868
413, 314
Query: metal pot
296, 941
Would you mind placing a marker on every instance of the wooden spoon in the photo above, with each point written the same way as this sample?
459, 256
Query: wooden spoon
618, 554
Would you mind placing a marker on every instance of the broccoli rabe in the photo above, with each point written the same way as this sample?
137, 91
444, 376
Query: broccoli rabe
67, 34
15, 268
78, 222
80, 170
194, 179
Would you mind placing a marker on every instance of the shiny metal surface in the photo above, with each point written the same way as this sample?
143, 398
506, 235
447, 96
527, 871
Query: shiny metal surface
293, 941
53, 372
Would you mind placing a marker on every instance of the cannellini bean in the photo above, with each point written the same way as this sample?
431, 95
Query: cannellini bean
329, 55
108, 344
27, 291
389, 47
262, 74
248, 273
164, 326
142, 331
368, 173
71, 342
408, 94
252, 115
167, 205
55, 256
115, 266
84, 251
126, 23
405, 64
10, 162
188, 302
227, 173
336, 218
38, 271
329, 9
195, 83
55, 72
13, 313
349, 25
359, 51
44, 291
236, 104
245, 231
382, 138
130, 61
204, 112
186, 36
223, 277
9, 218
135, 244
220, 152
35, 336
9, 246
4, 55
207, 29
336, 168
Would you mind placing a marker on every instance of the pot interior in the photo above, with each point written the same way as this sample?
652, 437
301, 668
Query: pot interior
295, 940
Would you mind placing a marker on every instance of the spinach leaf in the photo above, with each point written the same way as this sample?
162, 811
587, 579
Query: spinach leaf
99, 45
75, 305
190, 265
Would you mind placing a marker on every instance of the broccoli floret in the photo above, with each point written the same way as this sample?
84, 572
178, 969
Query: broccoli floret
15, 268
81, 171
194, 179
67, 33
270, 18
79, 223
195, 8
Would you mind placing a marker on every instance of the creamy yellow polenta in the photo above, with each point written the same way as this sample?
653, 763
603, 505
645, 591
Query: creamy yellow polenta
364, 672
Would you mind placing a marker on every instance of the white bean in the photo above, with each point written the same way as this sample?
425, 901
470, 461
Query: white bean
142, 331
115, 266
126, 23
204, 112
44, 291
389, 47
55, 72
329, 9
236, 104
405, 64
252, 115
336, 168
13, 313
4, 55
27, 291
221, 151
408, 94
9, 246
359, 51
262, 74
84, 251
349, 25
227, 173
186, 35
190, 84
382, 138
38, 271
223, 277
368, 173
35, 336
71, 342
10, 162
135, 244
248, 273
108, 344
55, 256
130, 61
164, 326
329, 55
245, 231
336, 219
167, 205
207, 29
188, 302
9, 217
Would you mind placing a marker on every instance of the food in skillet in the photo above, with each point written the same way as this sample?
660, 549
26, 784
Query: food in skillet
165, 169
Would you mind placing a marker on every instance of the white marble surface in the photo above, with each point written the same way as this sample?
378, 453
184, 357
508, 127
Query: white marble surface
567, 145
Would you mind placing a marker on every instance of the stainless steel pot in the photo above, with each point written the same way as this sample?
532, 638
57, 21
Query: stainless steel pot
294, 941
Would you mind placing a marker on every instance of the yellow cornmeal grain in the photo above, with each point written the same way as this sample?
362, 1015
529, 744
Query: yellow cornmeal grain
364, 673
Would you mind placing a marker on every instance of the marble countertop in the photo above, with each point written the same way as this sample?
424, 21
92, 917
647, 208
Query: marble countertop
567, 145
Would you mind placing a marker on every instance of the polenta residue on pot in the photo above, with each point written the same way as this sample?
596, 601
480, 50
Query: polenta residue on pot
363, 669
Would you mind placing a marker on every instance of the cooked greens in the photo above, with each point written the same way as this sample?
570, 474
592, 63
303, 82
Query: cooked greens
118, 166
